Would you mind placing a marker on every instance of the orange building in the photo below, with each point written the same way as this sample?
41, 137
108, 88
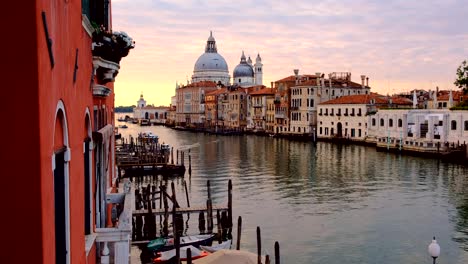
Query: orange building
60, 71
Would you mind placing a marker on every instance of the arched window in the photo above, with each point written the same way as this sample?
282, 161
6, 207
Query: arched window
466, 125
373, 121
390, 122
382, 123
454, 125
400, 122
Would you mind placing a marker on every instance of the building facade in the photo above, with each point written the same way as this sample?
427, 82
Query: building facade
67, 172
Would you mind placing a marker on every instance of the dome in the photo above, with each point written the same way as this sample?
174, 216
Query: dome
210, 61
243, 69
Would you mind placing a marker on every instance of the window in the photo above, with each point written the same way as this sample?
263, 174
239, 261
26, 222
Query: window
466, 125
382, 122
390, 122
454, 125
96, 11
400, 122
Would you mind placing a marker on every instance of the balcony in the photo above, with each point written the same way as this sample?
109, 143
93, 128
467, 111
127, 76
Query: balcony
108, 49
113, 243
257, 105
280, 115
101, 90
294, 108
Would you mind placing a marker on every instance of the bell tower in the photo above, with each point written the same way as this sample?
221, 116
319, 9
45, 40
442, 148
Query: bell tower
258, 70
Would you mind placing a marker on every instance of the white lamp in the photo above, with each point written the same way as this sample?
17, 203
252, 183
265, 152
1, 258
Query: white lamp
434, 250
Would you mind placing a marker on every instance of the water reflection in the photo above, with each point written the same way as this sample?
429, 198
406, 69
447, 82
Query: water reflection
329, 203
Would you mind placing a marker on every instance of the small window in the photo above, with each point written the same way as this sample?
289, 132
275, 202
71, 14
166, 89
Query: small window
382, 123
454, 125
466, 125
390, 122
400, 122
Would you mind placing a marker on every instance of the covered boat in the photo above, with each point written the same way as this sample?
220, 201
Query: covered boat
164, 244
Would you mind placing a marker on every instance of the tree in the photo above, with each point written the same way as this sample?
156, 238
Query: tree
462, 77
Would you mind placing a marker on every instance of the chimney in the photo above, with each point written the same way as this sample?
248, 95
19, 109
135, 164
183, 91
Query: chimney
317, 75
296, 73
271, 84
363, 78
367, 81
330, 79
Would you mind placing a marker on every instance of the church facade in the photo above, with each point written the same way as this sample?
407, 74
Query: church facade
211, 72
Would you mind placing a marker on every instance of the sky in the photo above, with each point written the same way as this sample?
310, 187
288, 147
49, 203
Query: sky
399, 44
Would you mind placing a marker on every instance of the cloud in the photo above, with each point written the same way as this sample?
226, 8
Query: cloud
410, 44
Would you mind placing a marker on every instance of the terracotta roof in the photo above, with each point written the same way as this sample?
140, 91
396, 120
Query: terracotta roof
293, 77
366, 98
264, 91
445, 95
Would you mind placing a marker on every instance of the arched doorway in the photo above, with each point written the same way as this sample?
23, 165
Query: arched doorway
60, 160
339, 129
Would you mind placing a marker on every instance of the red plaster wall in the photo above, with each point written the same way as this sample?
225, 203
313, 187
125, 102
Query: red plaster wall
20, 194
31, 80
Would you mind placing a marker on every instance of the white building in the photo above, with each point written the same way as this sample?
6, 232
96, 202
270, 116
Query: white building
348, 116
156, 114
419, 129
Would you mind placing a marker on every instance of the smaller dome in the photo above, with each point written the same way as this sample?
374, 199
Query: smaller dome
243, 69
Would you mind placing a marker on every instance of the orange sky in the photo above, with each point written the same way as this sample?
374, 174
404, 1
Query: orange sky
399, 45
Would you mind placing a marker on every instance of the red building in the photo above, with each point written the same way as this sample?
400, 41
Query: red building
60, 163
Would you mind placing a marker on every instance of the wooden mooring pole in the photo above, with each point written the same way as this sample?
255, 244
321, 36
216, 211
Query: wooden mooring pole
186, 194
229, 216
239, 231
277, 253
259, 246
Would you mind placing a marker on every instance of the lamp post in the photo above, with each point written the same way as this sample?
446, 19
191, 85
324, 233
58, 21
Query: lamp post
434, 250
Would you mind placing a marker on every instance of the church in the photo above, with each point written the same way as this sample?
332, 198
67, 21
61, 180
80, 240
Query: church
211, 66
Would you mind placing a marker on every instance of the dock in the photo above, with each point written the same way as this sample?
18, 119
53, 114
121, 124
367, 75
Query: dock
143, 156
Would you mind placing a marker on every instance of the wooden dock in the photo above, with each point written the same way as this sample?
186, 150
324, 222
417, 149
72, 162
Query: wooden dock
197, 209
138, 157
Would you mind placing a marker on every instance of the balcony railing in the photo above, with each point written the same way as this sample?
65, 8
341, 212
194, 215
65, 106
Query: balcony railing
108, 49
280, 115
113, 243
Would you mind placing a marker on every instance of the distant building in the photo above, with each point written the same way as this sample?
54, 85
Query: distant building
348, 116
419, 129
156, 114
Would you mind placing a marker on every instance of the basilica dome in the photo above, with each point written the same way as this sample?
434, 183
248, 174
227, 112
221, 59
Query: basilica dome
211, 66
243, 69
210, 61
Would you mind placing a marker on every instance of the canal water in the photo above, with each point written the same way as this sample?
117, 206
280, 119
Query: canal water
327, 203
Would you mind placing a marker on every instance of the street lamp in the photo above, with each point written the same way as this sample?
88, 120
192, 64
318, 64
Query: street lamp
434, 250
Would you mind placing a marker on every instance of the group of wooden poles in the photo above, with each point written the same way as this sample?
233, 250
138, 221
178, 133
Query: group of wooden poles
146, 209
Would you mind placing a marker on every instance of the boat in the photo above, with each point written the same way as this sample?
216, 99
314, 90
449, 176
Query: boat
123, 126
166, 256
148, 136
224, 245
145, 122
120, 119
164, 244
